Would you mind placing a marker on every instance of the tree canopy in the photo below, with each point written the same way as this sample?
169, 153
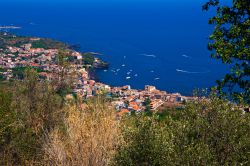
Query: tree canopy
230, 42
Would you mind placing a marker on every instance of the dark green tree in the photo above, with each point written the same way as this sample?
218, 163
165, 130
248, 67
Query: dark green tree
88, 59
28, 108
66, 76
37, 108
230, 42
147, 103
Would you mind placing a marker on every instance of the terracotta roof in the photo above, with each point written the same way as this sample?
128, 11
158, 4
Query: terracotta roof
123, 112
34, 65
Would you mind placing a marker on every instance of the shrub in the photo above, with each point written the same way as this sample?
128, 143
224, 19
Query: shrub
205, 132
89, 137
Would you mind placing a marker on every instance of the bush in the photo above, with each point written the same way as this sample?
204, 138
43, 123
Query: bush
27, 110
89, 137
206, 132
145, 142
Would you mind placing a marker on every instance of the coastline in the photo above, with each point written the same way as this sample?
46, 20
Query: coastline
98, 65
88, 84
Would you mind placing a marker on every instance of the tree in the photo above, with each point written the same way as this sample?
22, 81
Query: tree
205, 132
88, 59
230, 43
8, 123
66, 75
36, 102
37, 108
27, 110
147, 103
145, 142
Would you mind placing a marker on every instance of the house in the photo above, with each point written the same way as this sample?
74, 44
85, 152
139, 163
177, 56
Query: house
118, 104
150, 88
26, 46
156, 104
134, 106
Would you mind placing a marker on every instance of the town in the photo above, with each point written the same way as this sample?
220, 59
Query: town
124, 99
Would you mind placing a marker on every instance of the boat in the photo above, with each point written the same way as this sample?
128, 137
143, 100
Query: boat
128, 73
123, 65
128, 78
136, 75
157, 78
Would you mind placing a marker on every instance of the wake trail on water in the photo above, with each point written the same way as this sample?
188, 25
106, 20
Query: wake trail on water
185, 56
149, 55
191, 72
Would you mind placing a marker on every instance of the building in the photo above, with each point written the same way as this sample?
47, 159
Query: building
156, 104
150, 88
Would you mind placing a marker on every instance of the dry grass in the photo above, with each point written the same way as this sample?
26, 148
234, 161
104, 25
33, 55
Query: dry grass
89, 138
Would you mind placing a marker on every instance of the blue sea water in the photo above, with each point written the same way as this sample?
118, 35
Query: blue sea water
156, 42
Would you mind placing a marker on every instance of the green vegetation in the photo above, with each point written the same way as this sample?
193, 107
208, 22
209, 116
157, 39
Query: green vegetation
19, 72
204, 133
38, 128
18, 41
48, 44
1, 75
11, 40
230, 43
88, 59
28, 109
147, 103
65, 80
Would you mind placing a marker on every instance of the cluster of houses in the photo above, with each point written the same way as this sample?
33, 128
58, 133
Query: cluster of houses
133, 100
125, 100
14, 57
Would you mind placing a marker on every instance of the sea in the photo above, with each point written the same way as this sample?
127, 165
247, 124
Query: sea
147, 42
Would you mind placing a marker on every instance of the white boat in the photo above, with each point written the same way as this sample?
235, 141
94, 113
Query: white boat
127, 78
123, 65
105, 70
157, 78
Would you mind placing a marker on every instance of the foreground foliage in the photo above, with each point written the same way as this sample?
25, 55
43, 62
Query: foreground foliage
230, 43
37, 128
27, 111
89, 138
208, 132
